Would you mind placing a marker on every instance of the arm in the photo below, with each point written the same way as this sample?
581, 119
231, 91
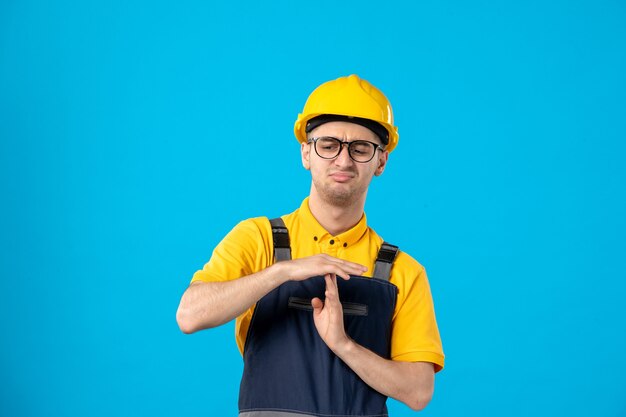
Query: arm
409, 382
210, 304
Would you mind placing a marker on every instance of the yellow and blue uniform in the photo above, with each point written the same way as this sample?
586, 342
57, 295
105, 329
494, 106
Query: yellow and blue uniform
249, 248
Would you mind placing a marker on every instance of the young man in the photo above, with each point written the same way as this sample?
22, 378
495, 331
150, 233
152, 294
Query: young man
330, 318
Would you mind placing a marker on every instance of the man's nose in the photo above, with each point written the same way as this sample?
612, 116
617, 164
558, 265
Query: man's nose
343, 159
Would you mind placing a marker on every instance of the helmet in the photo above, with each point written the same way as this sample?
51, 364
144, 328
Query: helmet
352, 97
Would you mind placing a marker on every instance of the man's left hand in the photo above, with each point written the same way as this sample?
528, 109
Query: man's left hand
328, 315
409, 382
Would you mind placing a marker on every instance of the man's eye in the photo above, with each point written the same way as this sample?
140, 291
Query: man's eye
361, 148
328, 144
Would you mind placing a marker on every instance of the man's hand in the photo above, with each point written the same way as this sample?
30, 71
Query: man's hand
328, 315
210, 304
409, 382
303, 268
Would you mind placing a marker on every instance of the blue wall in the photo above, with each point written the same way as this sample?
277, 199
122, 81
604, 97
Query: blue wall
134, 136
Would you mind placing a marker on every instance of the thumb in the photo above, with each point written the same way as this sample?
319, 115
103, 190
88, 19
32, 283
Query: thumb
317, 305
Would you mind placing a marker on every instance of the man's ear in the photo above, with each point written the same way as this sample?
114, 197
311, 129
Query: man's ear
305, 151
382, 163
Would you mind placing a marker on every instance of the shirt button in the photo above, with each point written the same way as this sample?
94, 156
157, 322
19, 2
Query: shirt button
345, 245
332, 242
315, 238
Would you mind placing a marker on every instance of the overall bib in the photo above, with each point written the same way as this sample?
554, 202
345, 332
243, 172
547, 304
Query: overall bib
288, 369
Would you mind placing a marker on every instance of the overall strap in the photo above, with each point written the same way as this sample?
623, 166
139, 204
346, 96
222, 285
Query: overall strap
384, 261
280, 234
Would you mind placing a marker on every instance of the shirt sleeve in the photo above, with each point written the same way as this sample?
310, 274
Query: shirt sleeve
415, 335
242, 252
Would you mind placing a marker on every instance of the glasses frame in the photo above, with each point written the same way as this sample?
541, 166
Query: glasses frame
341, 145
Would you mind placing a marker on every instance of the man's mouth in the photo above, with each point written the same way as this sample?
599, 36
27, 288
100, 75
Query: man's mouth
342, 176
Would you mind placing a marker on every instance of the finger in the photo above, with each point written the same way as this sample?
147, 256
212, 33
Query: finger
317, 304
346, 264
338, 271
331, 282
332, 302
345, 271
331, 286
349, 270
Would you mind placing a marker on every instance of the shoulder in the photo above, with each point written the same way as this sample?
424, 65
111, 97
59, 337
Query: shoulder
248, 238
408, 275
406, 264
406, 269
244, 250
252, 228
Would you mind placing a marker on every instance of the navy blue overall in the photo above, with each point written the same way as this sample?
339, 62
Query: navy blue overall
288, 369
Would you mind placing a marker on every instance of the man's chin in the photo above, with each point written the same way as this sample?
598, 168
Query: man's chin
339, 196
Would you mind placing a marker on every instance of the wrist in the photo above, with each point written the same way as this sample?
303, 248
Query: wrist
345, 347
277, 273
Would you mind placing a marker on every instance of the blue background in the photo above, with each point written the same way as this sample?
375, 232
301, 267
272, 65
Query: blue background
134, 135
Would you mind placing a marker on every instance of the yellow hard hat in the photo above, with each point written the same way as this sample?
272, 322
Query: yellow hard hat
353, 99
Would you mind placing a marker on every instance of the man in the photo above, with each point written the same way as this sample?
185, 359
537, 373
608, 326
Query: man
330, 319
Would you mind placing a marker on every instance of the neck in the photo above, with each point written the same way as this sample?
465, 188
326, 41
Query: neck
335, 219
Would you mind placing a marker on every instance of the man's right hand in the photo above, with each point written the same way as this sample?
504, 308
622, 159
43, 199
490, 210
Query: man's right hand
303, 268
210, 304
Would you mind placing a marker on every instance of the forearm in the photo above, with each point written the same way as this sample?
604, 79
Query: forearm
409, 382
210, 304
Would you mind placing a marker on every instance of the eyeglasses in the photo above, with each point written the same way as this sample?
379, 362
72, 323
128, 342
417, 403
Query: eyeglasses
328, 147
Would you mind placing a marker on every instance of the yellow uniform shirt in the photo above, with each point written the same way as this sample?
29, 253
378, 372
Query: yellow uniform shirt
248, 248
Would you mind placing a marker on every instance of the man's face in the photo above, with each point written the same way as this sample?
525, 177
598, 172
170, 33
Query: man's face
342, 181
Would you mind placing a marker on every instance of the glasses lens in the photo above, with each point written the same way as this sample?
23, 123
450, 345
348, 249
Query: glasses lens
327, 147
361, 151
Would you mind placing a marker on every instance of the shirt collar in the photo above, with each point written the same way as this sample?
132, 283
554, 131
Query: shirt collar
311, 225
